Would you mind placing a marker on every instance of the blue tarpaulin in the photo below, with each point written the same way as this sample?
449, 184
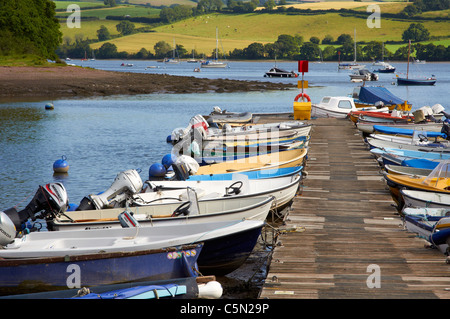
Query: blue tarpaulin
373, 94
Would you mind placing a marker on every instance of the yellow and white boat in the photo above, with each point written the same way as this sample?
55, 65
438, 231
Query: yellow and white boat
289, 158
437, 181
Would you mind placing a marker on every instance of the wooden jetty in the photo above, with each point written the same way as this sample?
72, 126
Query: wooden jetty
344, 238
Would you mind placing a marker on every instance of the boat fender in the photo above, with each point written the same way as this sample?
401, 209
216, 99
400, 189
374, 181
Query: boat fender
168, 160
302, 95
210, 290
156, 170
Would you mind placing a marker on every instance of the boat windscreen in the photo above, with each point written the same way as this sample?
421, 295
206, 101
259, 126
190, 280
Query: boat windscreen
439, 174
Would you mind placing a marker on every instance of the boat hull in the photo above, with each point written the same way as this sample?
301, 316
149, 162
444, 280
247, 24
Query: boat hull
159, 215
405, 81
224, 255
414, 198
56, 273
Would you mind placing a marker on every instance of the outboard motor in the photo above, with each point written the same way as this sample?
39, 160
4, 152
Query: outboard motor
50, 199
446, 129
7, 230
185, 166
125, 184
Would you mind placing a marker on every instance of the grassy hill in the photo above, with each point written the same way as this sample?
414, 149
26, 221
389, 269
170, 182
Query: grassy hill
239, 31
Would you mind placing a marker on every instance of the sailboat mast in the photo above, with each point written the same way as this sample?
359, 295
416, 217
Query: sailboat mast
354, 53
174, 48
217, 44
409, 52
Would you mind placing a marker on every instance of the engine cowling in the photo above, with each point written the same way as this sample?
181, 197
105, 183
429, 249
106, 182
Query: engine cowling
7, 230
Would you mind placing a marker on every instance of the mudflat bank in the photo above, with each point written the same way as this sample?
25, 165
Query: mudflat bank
69, 81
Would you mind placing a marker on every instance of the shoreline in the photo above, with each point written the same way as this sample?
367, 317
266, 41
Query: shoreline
72, 82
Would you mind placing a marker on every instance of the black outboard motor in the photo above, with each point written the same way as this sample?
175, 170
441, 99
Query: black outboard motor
50, 199
446, 129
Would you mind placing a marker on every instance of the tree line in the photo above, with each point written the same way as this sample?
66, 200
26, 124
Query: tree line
29, 27
286, 47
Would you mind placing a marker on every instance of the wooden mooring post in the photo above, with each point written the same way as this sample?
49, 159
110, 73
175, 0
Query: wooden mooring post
344, 238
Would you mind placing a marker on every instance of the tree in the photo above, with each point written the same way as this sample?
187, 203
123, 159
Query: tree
344, 38
125, 27
254, 51
269, 4
209, 5
29, 26
161, 48
107, 51
328, 39
373, 50
175, 13
416, 32
103, 33
315, 40
287, 46
142, 54
111, 3
309, 51
329, 53
182, 52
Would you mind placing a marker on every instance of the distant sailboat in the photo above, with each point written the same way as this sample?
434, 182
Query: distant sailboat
414, 81
351, 65
215, 63
386, 67
193, 60
172, 60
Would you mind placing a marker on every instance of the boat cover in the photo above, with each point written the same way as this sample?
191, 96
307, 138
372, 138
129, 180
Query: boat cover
373, 94
420, 163
140, 292
405, 131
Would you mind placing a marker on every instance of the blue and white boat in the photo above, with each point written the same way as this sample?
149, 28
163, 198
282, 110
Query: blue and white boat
106, 256
434, 229
397, 156
179, 288
260, 174
28, 274
396, 130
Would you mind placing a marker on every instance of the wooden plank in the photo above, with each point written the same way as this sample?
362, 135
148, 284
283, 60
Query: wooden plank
348, 223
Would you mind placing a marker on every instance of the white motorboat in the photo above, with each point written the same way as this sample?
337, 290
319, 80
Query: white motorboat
282, 188
417, 198
363, 75
338, 107
183, 212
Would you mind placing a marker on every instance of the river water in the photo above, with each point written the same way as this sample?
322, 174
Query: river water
105, 135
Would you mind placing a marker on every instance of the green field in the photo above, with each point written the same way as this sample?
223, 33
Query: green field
89, 28
238, 31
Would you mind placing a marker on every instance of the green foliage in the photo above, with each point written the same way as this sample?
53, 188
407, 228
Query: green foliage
416, 32
29, 25
344, 38
103, 33
111, 3
309, 51
328, 39
238, 6
269, 4
209, 5
254, 51
175, 13
125, 27
161, 48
